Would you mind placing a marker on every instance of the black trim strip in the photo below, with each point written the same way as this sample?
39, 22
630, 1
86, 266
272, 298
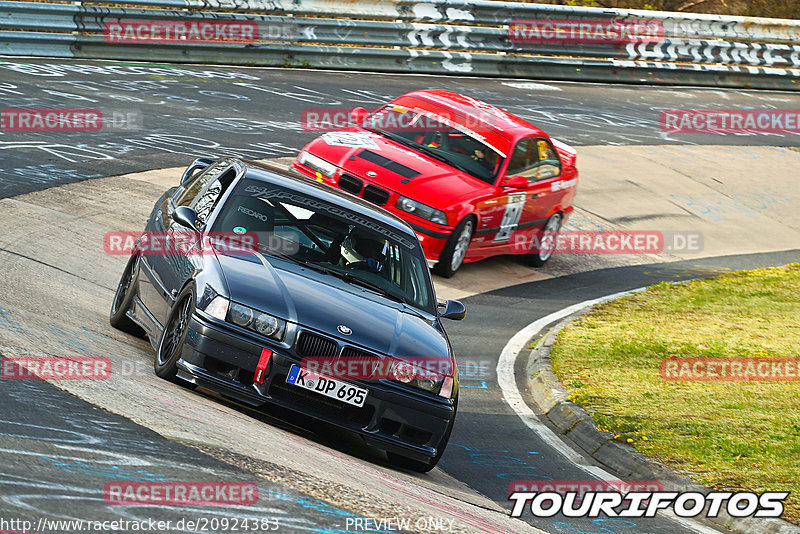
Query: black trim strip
432, 233
386, 163
537, 222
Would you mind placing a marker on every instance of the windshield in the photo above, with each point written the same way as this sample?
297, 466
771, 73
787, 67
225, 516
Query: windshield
353, 247
437, 137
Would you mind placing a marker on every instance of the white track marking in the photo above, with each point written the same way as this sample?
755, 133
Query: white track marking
513, 397
532, 86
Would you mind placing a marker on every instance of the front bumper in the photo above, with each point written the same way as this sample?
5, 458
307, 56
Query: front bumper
432, 236
391, 419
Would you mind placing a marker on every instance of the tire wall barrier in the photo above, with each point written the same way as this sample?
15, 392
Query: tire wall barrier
481, 38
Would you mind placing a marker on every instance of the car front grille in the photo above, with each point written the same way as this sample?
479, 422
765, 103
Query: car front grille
311, 345
351, 184
352, 352
376, 195
361, 356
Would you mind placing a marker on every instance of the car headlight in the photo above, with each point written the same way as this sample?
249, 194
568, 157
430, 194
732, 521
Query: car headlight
263, 323
241, 315
421, 210
412, 375
267, 325
316, 163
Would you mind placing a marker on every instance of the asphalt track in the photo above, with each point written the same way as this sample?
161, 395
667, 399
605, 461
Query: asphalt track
183, 110
190, 111
58, 450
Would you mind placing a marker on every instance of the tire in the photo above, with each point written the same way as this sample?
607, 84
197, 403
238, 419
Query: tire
454, 251
118, 317
423, 467
547, 241
170, 344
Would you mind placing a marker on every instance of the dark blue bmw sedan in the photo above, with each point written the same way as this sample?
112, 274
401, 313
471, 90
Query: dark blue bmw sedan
286, 291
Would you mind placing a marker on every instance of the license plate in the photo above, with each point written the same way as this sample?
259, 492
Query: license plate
330, 387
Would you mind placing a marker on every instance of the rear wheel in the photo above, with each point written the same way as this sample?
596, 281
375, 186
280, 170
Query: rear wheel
170, 344
122, 301
455, 250
547, 241
424, 467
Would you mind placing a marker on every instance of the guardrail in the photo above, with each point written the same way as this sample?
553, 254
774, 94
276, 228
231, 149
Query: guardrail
486, 38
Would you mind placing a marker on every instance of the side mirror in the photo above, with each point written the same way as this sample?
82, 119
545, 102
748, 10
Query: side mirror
197, 165
453, 309
185, 216
515, 182
358, 114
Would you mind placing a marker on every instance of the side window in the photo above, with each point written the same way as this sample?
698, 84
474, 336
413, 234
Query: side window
203, 192
535, 159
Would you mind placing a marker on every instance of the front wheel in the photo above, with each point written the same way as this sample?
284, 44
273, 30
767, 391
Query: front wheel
547, 242
455, 249
170, 344
424, 467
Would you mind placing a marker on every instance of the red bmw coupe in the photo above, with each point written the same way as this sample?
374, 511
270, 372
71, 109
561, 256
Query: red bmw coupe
472, 180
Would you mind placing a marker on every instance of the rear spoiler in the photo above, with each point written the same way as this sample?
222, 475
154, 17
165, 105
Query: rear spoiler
568, 154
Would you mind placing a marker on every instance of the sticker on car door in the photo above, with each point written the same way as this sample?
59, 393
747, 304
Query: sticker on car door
514, 206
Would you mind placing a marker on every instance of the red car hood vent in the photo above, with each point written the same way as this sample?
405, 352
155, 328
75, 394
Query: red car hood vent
386, 163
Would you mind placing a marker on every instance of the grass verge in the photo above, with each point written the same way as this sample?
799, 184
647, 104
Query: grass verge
725, 434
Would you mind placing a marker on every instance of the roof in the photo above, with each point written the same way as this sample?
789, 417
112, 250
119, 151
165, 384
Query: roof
497, 128
277, 175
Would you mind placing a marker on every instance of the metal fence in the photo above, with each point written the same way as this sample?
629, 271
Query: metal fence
485, 38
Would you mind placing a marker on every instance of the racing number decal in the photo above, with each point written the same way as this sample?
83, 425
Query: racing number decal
514, 207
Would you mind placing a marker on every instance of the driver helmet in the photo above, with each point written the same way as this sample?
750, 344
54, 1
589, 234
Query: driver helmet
371, 249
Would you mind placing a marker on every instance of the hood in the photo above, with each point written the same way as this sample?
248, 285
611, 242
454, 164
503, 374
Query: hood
322, 302
398, 167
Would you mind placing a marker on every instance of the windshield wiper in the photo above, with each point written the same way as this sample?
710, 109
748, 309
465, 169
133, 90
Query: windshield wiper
344, 275
429, 151
349, 277
394, 137
288, 257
